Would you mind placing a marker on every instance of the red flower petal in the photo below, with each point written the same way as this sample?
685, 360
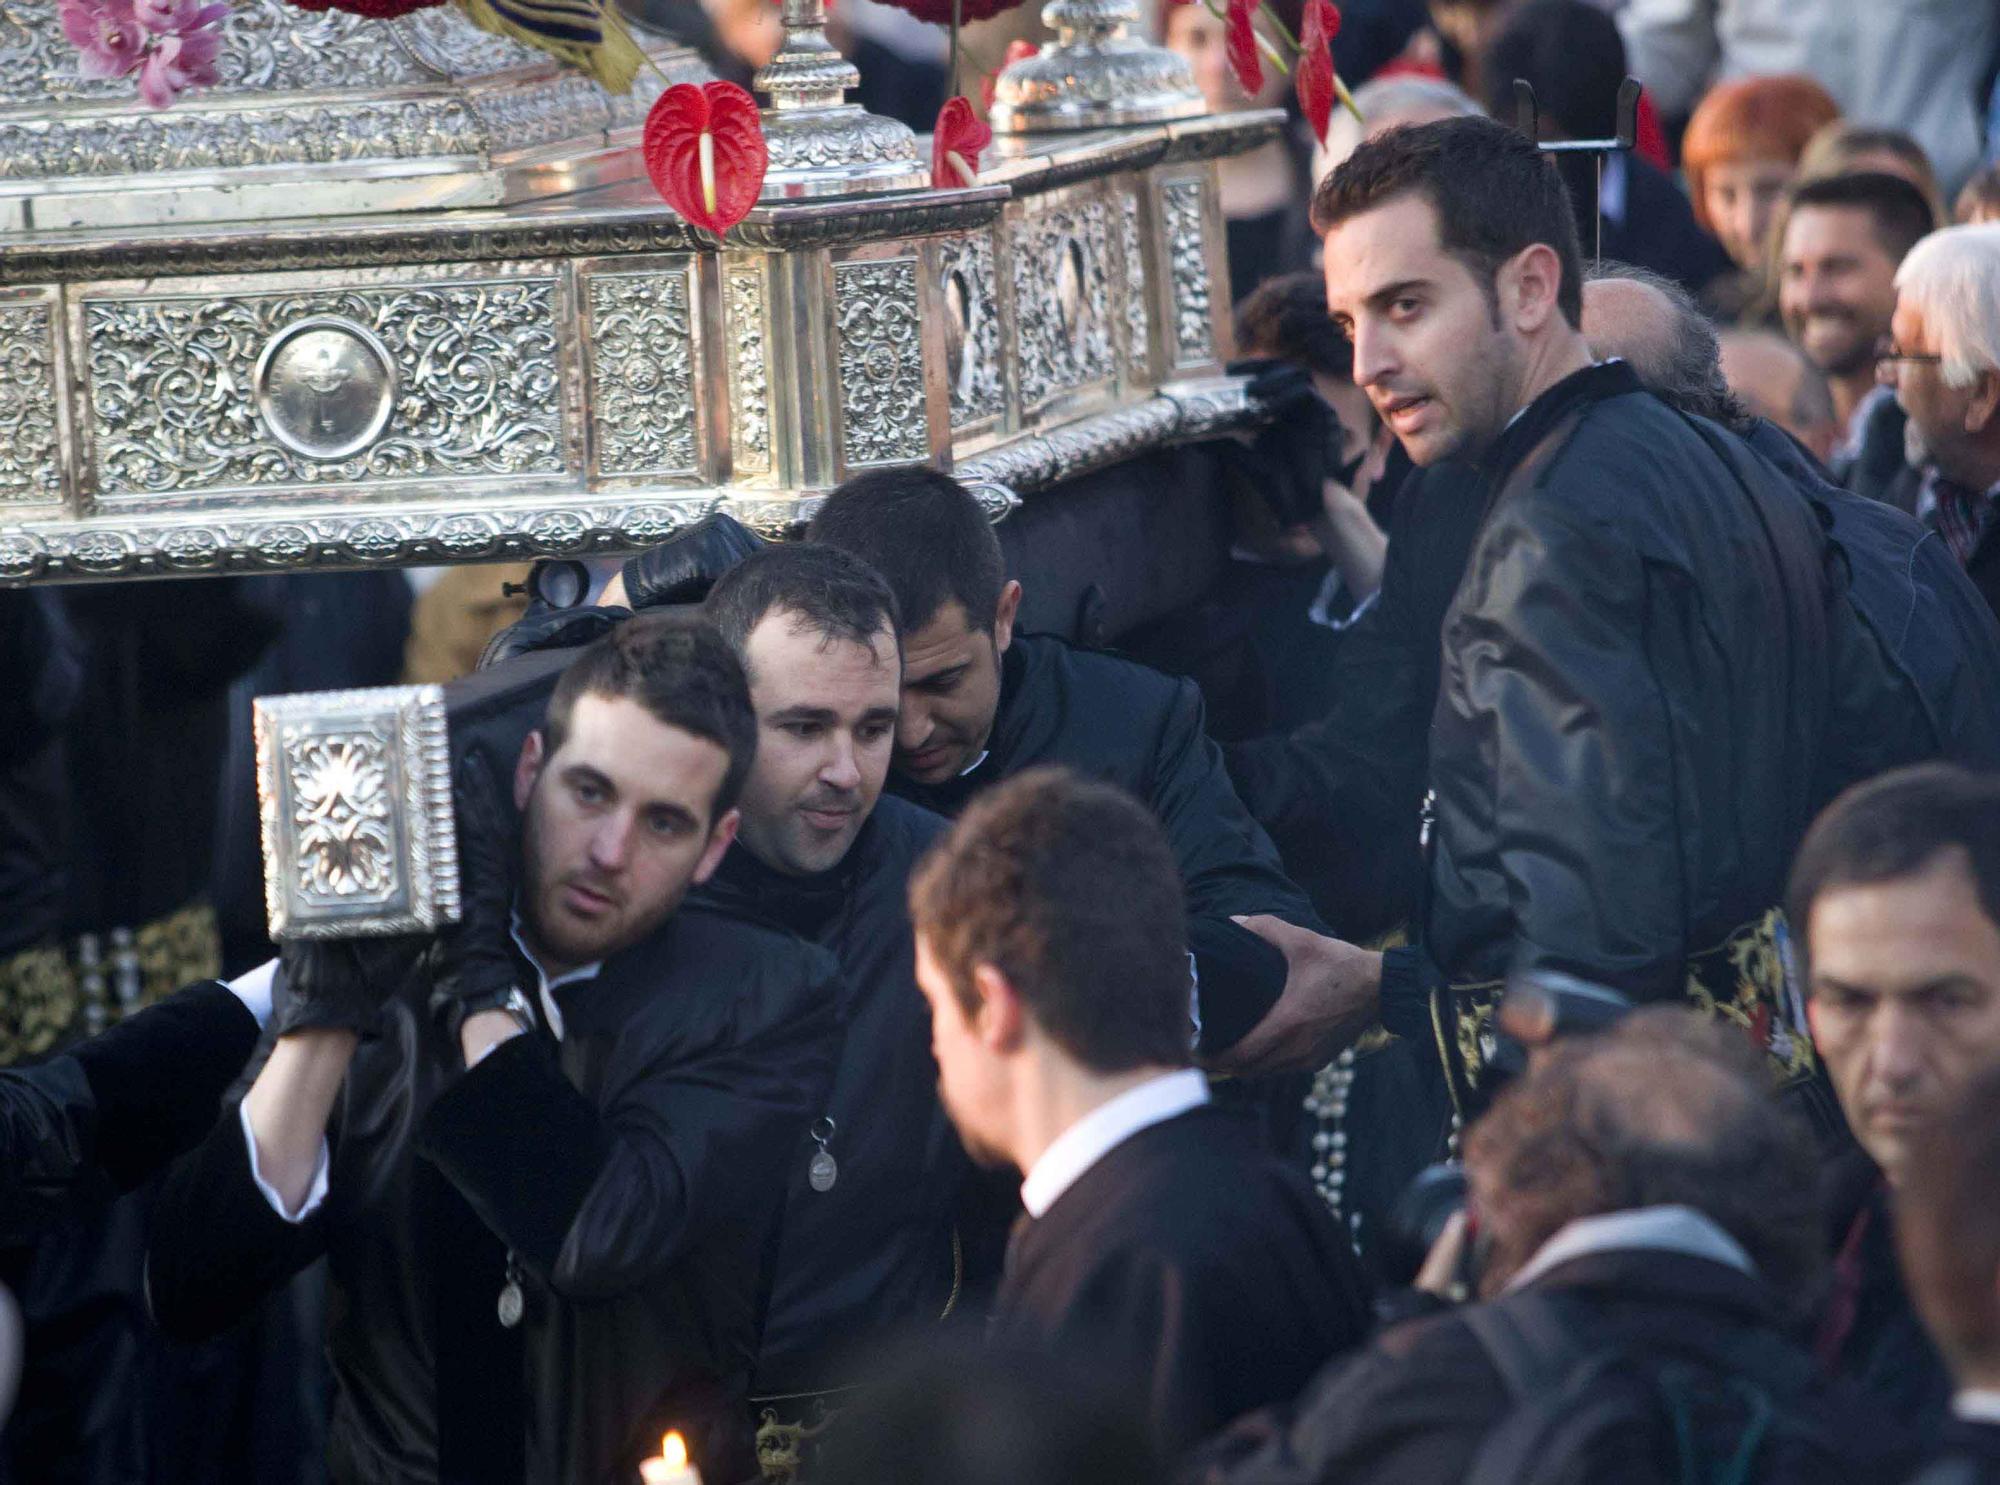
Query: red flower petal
1016, 51
672, 149
1243, 58
1315, 70
959, 132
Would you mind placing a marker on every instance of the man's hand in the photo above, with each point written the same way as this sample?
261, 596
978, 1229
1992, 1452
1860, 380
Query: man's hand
340, 984
477, 971
684, 567
1332, 994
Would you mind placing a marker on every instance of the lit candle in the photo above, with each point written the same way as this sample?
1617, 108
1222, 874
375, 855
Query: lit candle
672, 1467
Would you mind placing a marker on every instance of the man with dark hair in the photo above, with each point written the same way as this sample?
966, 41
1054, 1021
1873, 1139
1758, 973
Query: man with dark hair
1647, 1232
980, 703
1948, 1231
1160, 1243
1624, 745
1844, 236
1572, 55
868, 1245
1896, 900
547, 1215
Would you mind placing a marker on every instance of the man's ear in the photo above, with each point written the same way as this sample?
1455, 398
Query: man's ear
1530, 288
1003, 616
1001, 1022
527, 768
1982, 413
718, 846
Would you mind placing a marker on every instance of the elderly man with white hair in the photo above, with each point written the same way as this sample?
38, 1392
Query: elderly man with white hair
1944, 364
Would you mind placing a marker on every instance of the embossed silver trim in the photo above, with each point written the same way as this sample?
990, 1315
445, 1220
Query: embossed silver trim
881, 362
355, 807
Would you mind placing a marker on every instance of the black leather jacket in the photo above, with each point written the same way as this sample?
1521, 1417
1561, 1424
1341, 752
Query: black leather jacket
634, 1170
1627, 743
874, 1252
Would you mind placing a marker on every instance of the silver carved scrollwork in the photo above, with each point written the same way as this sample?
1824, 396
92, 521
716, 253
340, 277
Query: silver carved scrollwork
442, 41
970, 288
749, 389
1187, 254
1061, 296
354, 798
641, 350
171, 384
881, 362
30, 454
1137, 352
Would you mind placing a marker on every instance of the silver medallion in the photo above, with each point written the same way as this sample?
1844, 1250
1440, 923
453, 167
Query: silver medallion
510, 1305
822, 1172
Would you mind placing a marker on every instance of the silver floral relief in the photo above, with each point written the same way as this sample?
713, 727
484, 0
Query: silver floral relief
354, 796
881, 362
542, 112
749, 385
175, 387
1187, 256
443, 42
642, 390
30, 450
1133, 273
1062, 298
267, 45
970, 291
190, 140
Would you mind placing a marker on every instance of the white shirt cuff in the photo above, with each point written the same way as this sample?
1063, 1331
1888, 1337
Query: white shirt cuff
254, 990
315, 1194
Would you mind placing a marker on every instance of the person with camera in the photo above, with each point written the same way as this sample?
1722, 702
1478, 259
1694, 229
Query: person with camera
545, 1154
1641, 1229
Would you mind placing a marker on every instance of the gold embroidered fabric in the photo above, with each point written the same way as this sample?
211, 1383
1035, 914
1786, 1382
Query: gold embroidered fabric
48, 995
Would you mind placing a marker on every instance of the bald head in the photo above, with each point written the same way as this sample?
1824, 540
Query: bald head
1772, 378
1653, 324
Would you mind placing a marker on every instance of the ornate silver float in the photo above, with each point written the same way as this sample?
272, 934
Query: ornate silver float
398, 292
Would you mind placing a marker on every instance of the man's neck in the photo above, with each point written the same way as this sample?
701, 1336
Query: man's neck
1977, 470
1557, 357
1055, 1093
1848, 393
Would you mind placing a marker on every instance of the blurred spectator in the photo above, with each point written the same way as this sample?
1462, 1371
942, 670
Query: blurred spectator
1647, 1224
1389, 103
457, 610
1741, 152
965, 1414
1776, 382
1915, 63
1980, 200
1847, 148
1948, 1229
1571, 53
1944, 365
1896, 896
903, 61
1843, 238
1465, 30
1264, 192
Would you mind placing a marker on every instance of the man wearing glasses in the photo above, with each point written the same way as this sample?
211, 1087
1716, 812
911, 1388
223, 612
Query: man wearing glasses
1944, 366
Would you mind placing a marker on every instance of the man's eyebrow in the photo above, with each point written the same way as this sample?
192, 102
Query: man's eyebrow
583, 773
949, 673
1402, 286
879, 714
801, 714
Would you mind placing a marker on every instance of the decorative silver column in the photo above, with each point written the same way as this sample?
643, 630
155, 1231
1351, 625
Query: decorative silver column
822, 145
1094, 77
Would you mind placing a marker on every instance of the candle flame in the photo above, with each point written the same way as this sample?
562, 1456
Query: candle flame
673, 1448
707, 148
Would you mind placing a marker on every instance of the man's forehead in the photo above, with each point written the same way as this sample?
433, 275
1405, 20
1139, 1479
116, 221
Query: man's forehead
1386, 245
792, 662
616, 737
946, 639
1831, 229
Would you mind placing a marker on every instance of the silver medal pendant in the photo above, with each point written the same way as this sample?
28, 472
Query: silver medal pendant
510, 1305
822, 1170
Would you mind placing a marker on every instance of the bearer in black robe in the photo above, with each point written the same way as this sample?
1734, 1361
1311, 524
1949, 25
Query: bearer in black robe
1159, 1242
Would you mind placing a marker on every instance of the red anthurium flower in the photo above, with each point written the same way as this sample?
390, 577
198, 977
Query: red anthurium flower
956, 141
1316, 81
1016, 51
704, 149
1243, 58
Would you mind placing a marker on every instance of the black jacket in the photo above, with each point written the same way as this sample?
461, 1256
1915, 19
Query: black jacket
112, 1110
1112, 719
1627, 743
1984, 567
1415, 1405
873, 1253
1189, 1261
635, 1171
1967, 1454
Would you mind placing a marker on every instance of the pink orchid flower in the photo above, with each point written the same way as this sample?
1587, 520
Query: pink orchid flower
177, 17
105, 33
178, 63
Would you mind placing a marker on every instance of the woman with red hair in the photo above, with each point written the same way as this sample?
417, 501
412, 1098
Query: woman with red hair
1742, 150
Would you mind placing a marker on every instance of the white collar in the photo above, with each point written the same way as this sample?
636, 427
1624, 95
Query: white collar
1104, 1128
1667, 1229
984, 754
1978, 1405
550, 1010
